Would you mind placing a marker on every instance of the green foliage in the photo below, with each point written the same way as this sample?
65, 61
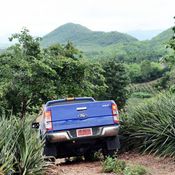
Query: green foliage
170, 57
29, 150
31, 46
115, 165
82, 36
145, 71
30, 76
149, 125
134, 52
149, 87
168, 80
102, 45
6, 147
163, 37
95, 82
119, 167
70, 51
116, 80
141, 95
25, 80
134, 71
20, 148
135, 170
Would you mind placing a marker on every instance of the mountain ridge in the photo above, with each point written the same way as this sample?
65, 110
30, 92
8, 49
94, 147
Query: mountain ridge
81, 35
98, 44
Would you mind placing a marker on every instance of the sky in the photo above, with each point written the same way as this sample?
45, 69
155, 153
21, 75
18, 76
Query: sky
43, 16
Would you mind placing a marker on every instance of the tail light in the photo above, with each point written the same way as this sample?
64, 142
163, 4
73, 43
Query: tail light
48, 120
115, 113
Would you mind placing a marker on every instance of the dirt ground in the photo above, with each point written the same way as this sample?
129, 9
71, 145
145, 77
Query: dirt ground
154, 165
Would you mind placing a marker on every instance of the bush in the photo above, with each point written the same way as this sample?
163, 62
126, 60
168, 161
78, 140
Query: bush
135, 170
151, 125
20, 148
108, 165
111, 164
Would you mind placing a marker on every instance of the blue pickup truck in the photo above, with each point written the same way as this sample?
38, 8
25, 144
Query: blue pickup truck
79, 126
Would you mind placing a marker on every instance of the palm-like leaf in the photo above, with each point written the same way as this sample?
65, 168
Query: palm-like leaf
20, 148
151, 125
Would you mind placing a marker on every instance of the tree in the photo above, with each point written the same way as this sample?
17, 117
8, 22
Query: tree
27, 79
30, 76
71, 51
55, 50
170, 58
30, 46
94, 83
146, 70
169, 78
134, 72
116, 80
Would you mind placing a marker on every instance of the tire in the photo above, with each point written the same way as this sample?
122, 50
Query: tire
112, 153
89, 156
112, 146
50, 150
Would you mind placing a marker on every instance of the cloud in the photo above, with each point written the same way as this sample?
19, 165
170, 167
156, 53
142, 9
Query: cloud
42, 16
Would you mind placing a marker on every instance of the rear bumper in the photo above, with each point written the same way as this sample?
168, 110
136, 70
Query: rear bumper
62, 136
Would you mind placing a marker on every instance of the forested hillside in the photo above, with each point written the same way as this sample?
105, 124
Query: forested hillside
102, 45
82, 36
163, 37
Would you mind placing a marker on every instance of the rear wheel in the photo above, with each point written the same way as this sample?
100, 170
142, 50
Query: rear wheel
89, 156
112, 146
50, 150
112, 153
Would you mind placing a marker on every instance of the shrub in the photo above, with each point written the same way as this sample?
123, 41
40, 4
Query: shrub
111, 164
151, 125
29, 150
135, 170
7, 131
99, 155
20, 148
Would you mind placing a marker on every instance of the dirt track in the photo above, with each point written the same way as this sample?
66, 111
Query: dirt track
154, 165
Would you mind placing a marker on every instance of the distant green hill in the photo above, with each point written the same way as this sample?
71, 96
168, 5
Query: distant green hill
163, 37
137, 51
102, 45
134, 51
82, 36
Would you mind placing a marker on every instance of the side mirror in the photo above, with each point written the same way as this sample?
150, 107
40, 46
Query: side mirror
35, 125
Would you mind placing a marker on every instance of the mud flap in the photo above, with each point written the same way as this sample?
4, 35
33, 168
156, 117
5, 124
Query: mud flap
113, 143
50, 150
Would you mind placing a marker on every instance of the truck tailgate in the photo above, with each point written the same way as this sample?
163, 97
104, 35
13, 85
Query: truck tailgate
81, 115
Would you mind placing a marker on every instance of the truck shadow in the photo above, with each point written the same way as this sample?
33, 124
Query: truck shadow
74, 160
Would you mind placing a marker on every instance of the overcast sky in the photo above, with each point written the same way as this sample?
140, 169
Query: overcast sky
42, 16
